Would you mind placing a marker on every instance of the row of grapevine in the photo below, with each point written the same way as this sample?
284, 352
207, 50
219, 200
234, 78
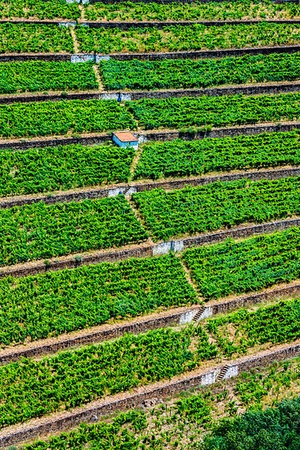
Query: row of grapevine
249, 265
214, 111
130, 11
174, 38
63, 301
237, 10
188, 73
33, 76
180, 158
39, 231
34, 388
33, 38
223, 204
271, 324
181, 423
75, 166
40, 76
59, 302
39, 9
72, 378
36, 38
63, 167
54, 118
86, 116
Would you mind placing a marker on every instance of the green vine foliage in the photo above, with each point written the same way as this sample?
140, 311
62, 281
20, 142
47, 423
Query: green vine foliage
63, 167
34, 388
34, 38
237, 10
39, 9
63, 301
274, 324
174, 38
252, 264
214, 111
185, 422
179, 158
54, 118
188, 73
34, 76
222, 204
39, 231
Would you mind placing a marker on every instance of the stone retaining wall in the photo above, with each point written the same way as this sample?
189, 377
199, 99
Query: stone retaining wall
137, 325
197, 54
160, 135
174, 316
274, 88
123, 25
7, 57
203, 54
247, 130
144, 250
218, 91
128, 189
240, 233
169, 1
223, 307
162, 24
160, 390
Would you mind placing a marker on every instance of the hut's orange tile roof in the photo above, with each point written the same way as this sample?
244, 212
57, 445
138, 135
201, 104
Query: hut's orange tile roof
125, 136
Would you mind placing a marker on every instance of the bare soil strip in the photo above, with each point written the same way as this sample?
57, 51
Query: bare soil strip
63, 420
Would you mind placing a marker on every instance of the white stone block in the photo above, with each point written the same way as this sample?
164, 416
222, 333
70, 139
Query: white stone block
102, 58
142, 139
162, 249
178, 246
131, 190
109, 96
231, 372
209, 378
187, 317
67, 24
125, 97
81, 58
115, 192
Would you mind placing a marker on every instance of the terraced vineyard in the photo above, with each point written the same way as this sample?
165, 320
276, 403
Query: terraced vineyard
149, 293
200, 73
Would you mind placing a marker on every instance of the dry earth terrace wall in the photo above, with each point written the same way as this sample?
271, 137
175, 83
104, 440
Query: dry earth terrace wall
272, 88
149, 56
161, 390
108, 2
143, 250
160, 135
174, 316
123, 25
128, 189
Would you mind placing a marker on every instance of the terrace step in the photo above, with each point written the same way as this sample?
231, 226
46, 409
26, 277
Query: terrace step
222, 373
201, 310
